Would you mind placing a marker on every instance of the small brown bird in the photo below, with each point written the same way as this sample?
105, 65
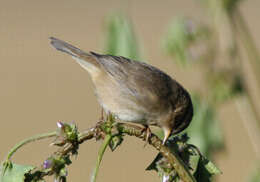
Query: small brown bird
135, 91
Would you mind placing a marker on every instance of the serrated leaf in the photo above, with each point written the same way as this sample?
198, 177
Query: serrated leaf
212, 168
194, 161
115, 142
15, 173
205, 170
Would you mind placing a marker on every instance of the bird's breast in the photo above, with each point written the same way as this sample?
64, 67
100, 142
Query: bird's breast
113, 99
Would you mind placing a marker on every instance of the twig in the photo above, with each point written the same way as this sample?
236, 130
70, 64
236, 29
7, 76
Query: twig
29, 140
131, 130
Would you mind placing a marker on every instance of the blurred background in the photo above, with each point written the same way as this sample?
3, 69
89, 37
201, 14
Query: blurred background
209, 46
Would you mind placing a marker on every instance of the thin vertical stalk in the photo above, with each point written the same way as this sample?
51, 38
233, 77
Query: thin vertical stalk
248, 42
252, 86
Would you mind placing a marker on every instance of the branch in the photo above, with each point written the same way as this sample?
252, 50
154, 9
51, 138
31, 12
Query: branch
98, 132
171, 156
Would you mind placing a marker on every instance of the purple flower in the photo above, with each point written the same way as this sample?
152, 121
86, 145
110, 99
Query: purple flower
60, 124
47, 164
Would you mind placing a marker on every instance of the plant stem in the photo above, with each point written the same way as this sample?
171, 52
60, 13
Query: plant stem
252, 86
246, 113
100, 155
247, 39
171, 156
131, 130
29, 140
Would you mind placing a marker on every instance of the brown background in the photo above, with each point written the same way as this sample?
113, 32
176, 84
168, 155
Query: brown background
39, 86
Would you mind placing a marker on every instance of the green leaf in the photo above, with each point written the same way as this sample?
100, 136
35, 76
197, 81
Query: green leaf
206, 169
204, 130
212, 168
120, 38
194, 162
115, 142
15, 173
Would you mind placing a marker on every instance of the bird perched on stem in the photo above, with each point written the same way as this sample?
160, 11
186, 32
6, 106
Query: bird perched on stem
134, 91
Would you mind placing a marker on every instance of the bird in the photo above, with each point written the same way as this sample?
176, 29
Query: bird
134, 91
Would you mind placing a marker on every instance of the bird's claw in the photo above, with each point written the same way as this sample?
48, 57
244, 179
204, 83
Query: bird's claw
148, 134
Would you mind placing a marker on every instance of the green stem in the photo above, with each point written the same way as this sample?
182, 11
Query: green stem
101, 151
29, 140
253, 85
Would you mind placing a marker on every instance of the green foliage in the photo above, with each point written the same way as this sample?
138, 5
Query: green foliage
205, 170
204, 130
225, 85
108, 129
14, 172
256, 176
115, 142
68, 132
186, 41
120, 38
55, 165
199, 166
228, 5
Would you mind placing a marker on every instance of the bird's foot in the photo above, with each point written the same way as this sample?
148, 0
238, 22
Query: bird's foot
148, 134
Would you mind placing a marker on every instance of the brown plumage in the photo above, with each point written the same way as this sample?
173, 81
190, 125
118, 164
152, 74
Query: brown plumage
135, 91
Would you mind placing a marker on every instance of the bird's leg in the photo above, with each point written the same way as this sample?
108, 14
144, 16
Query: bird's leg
148, 133
102, 114
99, 123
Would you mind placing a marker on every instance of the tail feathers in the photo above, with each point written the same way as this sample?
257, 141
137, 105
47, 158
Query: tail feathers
67, 48
87, 61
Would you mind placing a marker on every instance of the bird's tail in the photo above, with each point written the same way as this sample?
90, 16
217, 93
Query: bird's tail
86, 60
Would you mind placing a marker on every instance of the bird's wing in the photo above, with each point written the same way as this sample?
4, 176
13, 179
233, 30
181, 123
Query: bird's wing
150, 87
